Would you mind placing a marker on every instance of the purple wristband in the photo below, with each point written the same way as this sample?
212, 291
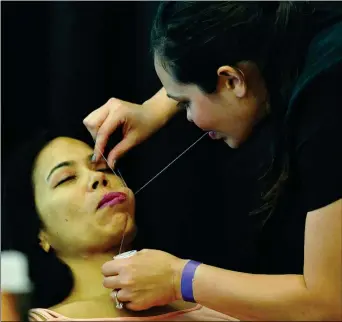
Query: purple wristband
187, 279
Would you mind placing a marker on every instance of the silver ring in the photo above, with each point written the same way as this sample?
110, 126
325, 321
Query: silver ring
119, 305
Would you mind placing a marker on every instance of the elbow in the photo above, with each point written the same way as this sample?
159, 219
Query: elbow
333, 311
329, 314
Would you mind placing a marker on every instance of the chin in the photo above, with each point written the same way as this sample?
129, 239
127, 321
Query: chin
234, 144
128, 230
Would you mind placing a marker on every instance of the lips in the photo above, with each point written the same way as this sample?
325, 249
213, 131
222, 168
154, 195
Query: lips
212, 134
217, 135
112, 199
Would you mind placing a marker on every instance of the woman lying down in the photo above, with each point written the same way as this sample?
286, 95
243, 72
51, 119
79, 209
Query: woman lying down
82, 210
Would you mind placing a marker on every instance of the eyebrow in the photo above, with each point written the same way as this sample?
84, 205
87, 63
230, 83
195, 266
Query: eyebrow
58, 166
65, 164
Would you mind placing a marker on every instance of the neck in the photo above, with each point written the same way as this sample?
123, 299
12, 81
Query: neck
86, 270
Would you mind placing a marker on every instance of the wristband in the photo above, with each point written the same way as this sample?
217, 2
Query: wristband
187, 281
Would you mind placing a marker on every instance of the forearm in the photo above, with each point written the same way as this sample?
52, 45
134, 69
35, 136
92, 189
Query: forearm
256, 297
164, 106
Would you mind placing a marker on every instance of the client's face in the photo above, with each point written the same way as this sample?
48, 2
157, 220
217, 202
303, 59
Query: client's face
83, 206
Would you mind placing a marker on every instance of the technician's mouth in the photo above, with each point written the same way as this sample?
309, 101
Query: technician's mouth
112, 199
216, 135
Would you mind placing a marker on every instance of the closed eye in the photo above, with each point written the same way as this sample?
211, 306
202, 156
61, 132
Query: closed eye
70, 178
106, 170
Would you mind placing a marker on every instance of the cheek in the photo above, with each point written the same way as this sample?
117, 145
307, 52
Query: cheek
63, 209
202, 114
67, 225
131, 204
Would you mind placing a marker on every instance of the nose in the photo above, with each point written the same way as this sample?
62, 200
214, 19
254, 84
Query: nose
188, 115
97, 180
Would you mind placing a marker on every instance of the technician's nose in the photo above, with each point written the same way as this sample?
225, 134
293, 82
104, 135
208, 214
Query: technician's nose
188, 115
97, 180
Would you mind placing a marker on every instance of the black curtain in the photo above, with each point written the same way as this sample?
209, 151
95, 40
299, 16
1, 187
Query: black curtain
61, 60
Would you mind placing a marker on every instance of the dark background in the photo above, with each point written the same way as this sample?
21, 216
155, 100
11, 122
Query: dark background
61, 60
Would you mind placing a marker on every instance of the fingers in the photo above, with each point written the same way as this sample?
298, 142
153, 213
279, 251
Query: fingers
95, 119
127, 297
106, 129
121, 148
112, 282
110, 268
122, 295
102, 123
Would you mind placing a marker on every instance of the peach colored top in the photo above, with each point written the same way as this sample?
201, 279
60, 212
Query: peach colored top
197, 313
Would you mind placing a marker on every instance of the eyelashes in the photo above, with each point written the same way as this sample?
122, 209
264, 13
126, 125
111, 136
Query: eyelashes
106, 170
71, 178
184, 105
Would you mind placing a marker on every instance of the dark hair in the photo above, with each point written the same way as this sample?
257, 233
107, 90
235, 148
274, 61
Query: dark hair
193, 39
52, 279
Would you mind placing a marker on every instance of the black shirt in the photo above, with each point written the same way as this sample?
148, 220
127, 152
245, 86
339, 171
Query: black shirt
314, 136
204, 212
316, 179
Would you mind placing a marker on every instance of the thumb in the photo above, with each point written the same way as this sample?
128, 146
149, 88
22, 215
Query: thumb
121, 148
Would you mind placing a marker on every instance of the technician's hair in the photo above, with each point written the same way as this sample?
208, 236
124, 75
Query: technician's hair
52, 279
192, 39
186, 34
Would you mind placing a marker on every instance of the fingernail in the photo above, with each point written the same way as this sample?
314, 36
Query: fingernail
93, 158
113, 165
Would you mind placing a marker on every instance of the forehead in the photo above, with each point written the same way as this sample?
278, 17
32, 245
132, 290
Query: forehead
60, 150
169, 83
173, 87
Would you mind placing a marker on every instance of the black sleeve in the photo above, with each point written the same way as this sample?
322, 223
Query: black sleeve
319, 141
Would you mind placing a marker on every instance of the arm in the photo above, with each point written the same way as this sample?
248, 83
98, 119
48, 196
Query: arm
316, 295
162, 105
137, 124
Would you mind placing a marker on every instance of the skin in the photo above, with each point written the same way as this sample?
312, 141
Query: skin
81, 235
314, 296
239, 102
233, 110
136, 123
72, 223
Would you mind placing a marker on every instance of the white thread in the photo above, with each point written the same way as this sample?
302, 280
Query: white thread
112, 169
160, 172
124, 231
148, 182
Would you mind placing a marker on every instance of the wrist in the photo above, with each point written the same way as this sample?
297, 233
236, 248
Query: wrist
163, 107
177, 269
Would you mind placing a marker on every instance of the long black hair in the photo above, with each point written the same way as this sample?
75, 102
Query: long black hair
192, 39
52, 279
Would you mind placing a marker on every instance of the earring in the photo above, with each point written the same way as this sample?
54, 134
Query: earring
45, 246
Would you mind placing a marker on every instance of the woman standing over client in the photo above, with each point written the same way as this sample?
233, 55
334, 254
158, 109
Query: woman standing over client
248, 72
